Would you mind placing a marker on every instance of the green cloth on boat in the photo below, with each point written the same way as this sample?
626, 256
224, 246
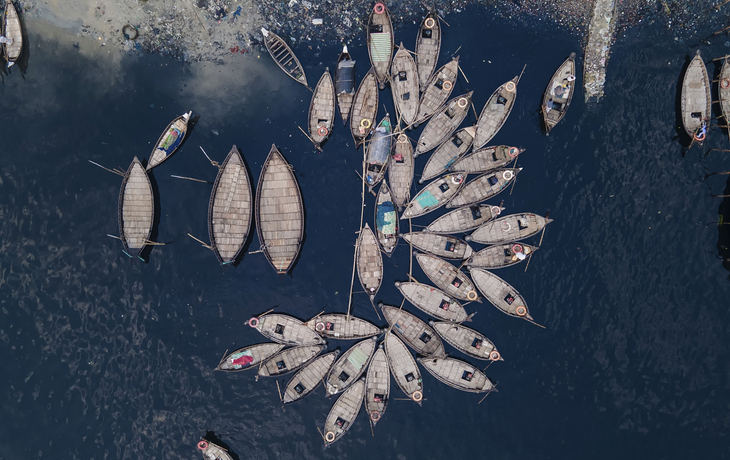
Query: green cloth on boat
380, 46
358, 358
426, 200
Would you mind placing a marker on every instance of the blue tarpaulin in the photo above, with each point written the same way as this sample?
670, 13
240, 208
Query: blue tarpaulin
386, 220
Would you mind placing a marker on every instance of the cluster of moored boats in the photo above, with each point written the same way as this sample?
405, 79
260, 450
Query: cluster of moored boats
11, 34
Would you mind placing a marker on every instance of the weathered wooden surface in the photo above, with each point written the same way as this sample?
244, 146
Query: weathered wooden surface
484, 187
500, 255
337, 326
404, 85
386, 220
403, 367
286, 329
169, 140
428, 46
279, 212
696, 97
344, 412
369, 262
433, 301
447, 153
308, 378
345, 84
377, 386
322, 110
350, 366
559, 93
434, 195
230, 209
378, 153
380, 43
11, 28
464, 219
284, 57
513, 227
500, 293
443, 123
248, 357
447, 277
289, 360
212, 451
495, 112
724, 90
486, 159
467, 340
400, 170
414, 332
458, 374
136, 209
445, 246
437, 90
364, 108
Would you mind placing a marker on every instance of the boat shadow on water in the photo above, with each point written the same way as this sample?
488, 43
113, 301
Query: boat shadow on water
723, 228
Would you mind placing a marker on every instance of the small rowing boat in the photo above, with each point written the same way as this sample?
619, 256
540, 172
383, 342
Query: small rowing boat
289, 360
434, 195
500, 294
458, 374
723, 90
484, 187
378, 152
500, 255
414, 332
248, 357
437, 90
447, 153
443, 123
495, 112
445, 246
350, 366
464, 219
403, 367
486, 159
11, 29
322, 111
285, 329
169, 140
559, 93
404, 85
308, 378
369, 262
136, 210
513, 227
428, 47
364, 108
377, 386
338, 326
343, 413
386, 220
696, 99
467, 340
212, 451
433, 301
400, 169
284, 57
380, 42
449, 278
345, 84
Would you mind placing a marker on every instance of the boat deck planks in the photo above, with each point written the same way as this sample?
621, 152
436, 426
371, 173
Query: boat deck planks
464, 219
513, 227
447, 153
308, 378
434, 195
212, 451
136, 209
484, 187
322, 110
380, 43
11, 28
559, 93
369, 262
289, 360
404, 85
403, 367
414, 332
286, 329
344, 412
437, 90
458, 374
337, 326
284, 57
364, 108
169, 140
433, 301
445, 246
500, 255
443, 123
500, 294
696, 99
428, 47
486, 159
345, 84
467, 340
248, 357
495, 112
350, 366
377, 386
386, 220
447, 277
400, 170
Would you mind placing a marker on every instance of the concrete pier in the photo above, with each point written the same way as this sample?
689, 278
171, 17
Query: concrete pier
600, 37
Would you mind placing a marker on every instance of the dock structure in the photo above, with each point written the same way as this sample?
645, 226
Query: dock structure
600, 37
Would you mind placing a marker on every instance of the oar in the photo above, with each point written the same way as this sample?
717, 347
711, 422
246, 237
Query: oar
541, 237
214, 163
721, 31
110, 170
727, 55
362, 214
189, 178
205, 245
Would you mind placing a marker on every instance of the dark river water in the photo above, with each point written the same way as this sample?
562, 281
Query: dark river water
107, 357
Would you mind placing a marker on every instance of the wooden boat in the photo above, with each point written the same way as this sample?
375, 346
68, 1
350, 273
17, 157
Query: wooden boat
484, 187
279, 212
285, 329
433, 301
230, 209
136, 209
386, 220
500, 294
428, 47
378, 152
437, 90
458, 374
380, 42
289, 360
364, 108
343, 413
212, 451
443, 123
322, 110
486, 159
447, 153
449, 278
467, 340
403, 367
369, 262
447, 247
559, 93
724, 90
169, 140
350, 366
464, 219
377, 386
434, 195
284, 57
414, 332
400, 170
404, 84
345, 84
500, 255
11, 29
495, 112
696, 99
514, 227
337, 326
248, 357
308, 378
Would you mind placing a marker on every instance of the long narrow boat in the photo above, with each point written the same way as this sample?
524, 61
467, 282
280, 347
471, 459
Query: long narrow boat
345, 83
377, 386
248, 357
500, 294
350, 366
169, 140
434, 195
724, 90
467, 340
136, 209
364, 108
400, 169
369, 262
378, 152
285, 329
380, 42
486, 159
433, 301
437, 90
696, 99
403, 367
464, 219
386, 220
495, 112
343, 413
284, 57
11, 29
404, 85
559, 93
279, 212
449, 278
443, 123
308, 378
337, 326
500, 255
212, 451
322, 110
445, 246
484, 187
230, 209
414, 332
289, 360
447, 153
428, 47
513, 227
458, 374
